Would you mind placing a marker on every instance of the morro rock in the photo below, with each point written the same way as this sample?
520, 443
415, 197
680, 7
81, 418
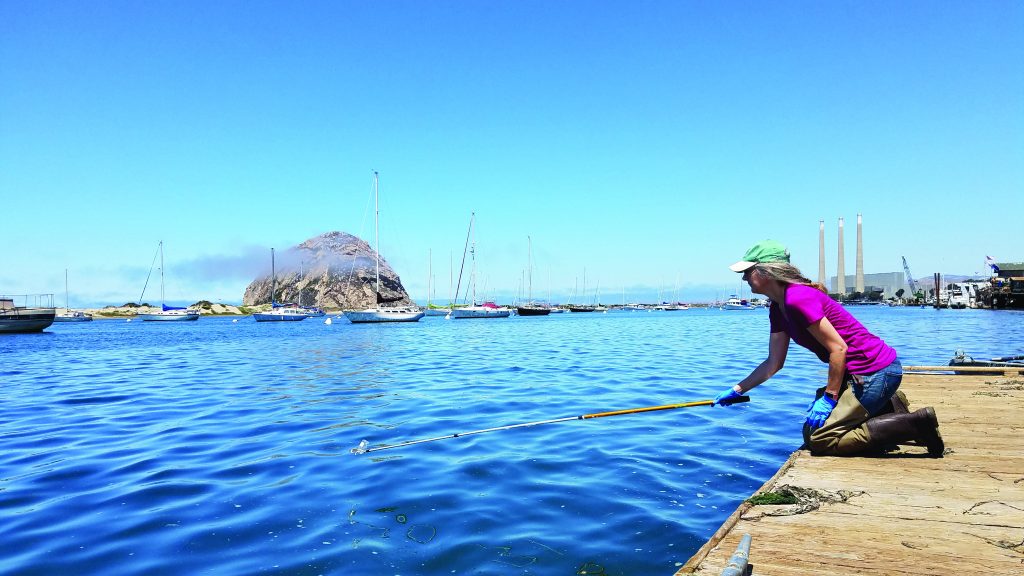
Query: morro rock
333, 270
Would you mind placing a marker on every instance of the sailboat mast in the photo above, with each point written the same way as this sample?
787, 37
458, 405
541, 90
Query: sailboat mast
472, 273
376, 231
161, 274
273, 278
529, 269
66, 299
462, 266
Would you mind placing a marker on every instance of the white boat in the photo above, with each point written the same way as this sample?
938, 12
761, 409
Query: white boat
735, 303
279, 312
69, 315
380, 313
485, 310
166, 313
25, 318
282, 313
384, 314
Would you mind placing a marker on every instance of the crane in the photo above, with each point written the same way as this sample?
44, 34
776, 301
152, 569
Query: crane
910, 279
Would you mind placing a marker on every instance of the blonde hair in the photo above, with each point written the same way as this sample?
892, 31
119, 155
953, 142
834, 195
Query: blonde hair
787, 274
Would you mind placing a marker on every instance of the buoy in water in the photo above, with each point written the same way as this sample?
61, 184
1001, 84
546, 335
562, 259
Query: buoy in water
328, 322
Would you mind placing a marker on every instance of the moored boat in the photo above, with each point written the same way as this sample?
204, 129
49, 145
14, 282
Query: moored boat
170, 314
25, 318
69, 315
72, 316
533, 309
279, 312
166, 313
736, 303
380, 313
485, 310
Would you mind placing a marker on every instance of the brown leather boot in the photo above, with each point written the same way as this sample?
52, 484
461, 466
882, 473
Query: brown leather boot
921, 426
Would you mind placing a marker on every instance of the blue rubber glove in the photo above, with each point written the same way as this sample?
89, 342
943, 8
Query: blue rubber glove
819, 410
727, 397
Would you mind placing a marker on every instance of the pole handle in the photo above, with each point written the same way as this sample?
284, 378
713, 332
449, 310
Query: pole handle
663, 407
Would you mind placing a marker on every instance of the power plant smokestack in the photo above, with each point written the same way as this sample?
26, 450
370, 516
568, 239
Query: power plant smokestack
841, 273
859, 280
821, 252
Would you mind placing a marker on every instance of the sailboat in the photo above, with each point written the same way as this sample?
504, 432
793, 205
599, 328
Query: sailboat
380, 313
582, 307
166, 313
485, 310
69, 315
531, 308
431, 309
279, 312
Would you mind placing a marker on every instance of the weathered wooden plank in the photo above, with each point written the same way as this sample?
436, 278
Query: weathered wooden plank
903, 514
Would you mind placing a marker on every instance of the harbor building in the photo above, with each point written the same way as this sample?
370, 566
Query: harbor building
887, 282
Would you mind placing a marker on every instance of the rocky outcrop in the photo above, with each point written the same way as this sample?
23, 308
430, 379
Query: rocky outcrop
333, 270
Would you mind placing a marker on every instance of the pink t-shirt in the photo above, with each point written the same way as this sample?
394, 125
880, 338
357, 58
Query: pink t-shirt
805, 305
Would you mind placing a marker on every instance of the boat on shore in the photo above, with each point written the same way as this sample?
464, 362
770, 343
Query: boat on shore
166, 313
25, 318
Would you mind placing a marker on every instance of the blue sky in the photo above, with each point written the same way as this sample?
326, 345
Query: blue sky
644, 144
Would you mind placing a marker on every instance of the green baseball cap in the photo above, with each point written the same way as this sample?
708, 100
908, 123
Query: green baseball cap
764, 251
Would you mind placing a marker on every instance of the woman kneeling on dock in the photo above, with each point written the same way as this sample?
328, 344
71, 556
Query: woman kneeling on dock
874, 416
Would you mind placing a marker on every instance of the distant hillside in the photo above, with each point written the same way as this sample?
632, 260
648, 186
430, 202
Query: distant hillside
333, 270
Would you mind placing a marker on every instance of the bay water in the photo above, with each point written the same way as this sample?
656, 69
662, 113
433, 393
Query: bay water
223, 446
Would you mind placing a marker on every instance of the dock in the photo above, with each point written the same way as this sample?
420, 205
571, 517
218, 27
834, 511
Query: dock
903, 513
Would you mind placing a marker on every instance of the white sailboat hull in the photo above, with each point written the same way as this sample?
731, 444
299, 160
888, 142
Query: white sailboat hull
170, 316
281, 315
473, 312
72, 317
373, 315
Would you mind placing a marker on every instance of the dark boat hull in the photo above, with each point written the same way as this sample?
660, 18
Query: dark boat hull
532, 311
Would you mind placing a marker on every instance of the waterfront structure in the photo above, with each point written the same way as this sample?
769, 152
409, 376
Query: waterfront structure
841, 267
886, 282
910, 507
859, 282
821, 252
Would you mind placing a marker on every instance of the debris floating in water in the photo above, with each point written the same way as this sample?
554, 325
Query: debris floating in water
361, 449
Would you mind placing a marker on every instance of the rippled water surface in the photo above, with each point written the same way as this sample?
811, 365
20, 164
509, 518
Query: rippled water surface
220, 447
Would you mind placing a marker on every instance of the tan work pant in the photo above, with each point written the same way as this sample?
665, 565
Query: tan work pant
844, 432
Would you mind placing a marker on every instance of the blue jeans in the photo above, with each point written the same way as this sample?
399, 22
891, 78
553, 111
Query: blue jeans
874, 390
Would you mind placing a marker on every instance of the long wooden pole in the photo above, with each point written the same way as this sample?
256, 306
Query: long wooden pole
363, 447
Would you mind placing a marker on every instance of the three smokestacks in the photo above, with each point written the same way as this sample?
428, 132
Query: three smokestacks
841, 265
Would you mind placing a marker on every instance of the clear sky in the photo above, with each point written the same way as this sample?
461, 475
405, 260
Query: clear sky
643, 144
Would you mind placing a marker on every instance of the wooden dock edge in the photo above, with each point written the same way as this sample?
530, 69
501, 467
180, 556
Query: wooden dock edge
968, 375
975, 370
712, 543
